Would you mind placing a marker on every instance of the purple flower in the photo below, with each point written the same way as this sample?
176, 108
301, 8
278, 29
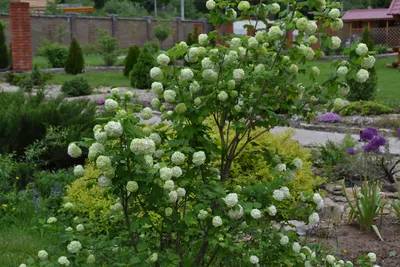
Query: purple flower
398, 131
101, 101
375, 144
368, 134
351, 151
330, 117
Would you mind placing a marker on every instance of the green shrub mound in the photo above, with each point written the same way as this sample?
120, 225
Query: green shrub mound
75, 61
131, 59
363, 91
365, 108
4, 56
140, 74
153, 47
55, 53
76, 87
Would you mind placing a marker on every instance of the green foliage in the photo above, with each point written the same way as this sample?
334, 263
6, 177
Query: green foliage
75, 61
124, 9
365, 108
55, 53
7, 166
363, 91
89, 49
26, 81
108, 47
131, 59
191, 11
35, 75
53, 9
76, 87
99, 3
140, 74
5, 6
4, 57
153, 47
162, 31
193, 37
189, 39
367, 39
381, 48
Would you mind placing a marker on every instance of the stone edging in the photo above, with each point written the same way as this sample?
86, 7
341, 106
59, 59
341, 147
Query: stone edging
88, 69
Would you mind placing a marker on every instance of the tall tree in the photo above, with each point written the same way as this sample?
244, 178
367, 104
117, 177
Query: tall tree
4, 57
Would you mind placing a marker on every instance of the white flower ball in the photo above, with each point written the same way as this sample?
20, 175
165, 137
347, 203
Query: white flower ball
275, 8
308, 264
51, 220
68, 205
157, 87
117, 207
231, 13
209, 75
181, 191
79, 171
302, 24
163, 60
197, 101
313, 219
156, 74
243, 5
183, 45
296, 247
372, 257
176, 171
293, 68
80, 228
147, 113
315, 71
222, 96
178, 158
362, 76
111, 105
217, 221
236, 213
153, 257
206, 63
236, 42
166, 173
199, 158
169, 185
274, 32
342, 71
96, 149
238, 74
254, 259
169, 95
63, 261
281, 167
100, 137
237, 108
103, 163
22, 265
91, 259
231, 200
74, 247
231, 84
173, 196
311, 28
278, 195
298, 163
203, 39
113, 129
74, 151
284, 240
259, 68
186, 74
308, 53
255, 213
128, 94
368, 62
330, 259
104, 182
202, 215
285, 191
271, 210
252, 42
43, 255
168, 212
156, 138
336, 25
335, 42
140, 146
334, 13
210, 4
132, 186
313, 39
194, 86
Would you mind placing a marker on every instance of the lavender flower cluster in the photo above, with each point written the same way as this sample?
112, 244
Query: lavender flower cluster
330, 117
374, 142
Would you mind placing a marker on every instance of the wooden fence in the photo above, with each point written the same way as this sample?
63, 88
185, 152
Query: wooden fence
389, 36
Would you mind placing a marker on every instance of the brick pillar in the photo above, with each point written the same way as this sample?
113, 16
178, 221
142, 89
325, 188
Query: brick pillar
289, 38
223, 30
21, 36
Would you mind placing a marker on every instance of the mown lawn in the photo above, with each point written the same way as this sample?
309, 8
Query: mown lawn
90, 60
95, 79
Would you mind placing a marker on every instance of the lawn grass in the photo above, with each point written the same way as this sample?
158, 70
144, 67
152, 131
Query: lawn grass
90, 61
95, 79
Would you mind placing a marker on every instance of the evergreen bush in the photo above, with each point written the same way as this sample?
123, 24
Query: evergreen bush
153, 47
140, 74
75, 61
108, 47
367, 39
35, 75
76, 87
4, 57
55, 53
131, 59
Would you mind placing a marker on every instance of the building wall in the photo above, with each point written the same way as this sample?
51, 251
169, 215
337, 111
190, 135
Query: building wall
128, 31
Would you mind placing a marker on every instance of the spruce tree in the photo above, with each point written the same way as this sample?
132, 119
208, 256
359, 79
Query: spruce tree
131, 59
367, 39
75, 61
4, 57
140, 74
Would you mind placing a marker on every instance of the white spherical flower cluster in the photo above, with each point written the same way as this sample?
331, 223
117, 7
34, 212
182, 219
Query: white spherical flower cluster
169, 95
311, 28
231, 84
371, 257
271, 210
334, 13
298, 163
194, 86
115, 91
156, 138
91, 259
173, 196
79, 171
95, 150
308, 52
63, 261
199, 158
274, 32
197, 101
362, 76
147, 113
74, 247
238, 74
222, 96
231, 200
210, 4
254, 259
100, 137
186, 74
284, 240
315, 71
259, 36
74, 151
68, 229
103, 163
285, 191
202, 215
80, 228
259, 68
236, 213
166, 173
302, 24
128, 94
68, 205
113, 129
163, 59
278, 195
51, 220
313, 39
178, 158
111, 105
153, 257
141, 146
343, 89
132, 186
293, 68
281, 167
22, 265
338, 104
159, 153
217, 221
181, 192
313, 219
231, 13
252, 42
43, 255
336, 25
169, 185
243, 5
318, 200
168, 212
275, 8
157, 87
206, 63
148, 159
330, 259
203, 39
181, 108
342, 71
117, 207
104, 181
296, 247
255, 213
183, 45
236, 42
368, 62
209, 75
176, 171
335, 42
156, 74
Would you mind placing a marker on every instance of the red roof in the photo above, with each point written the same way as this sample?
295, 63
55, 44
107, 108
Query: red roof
368, 14
394, 8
